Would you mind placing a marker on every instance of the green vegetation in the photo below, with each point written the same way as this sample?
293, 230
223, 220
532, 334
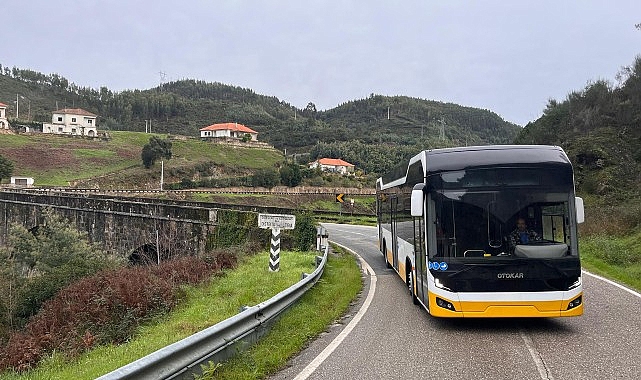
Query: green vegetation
36, 264
372, 133
249, 284
6, 168
333, 294
155, 150
617, 258
59, 160
599, 127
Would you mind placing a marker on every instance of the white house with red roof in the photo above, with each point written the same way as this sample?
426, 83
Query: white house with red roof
72, 121
4, 123
335, 165
228, 130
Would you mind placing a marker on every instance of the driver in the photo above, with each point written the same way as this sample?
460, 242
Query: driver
522, 235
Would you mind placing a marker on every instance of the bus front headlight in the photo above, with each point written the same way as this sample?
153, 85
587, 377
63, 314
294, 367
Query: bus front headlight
574, 303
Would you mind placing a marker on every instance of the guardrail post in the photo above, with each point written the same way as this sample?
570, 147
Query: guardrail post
321, 238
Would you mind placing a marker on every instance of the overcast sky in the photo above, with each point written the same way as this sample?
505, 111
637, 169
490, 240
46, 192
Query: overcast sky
508, 56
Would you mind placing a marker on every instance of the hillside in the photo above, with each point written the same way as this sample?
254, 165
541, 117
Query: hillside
62, 161
600, 128
185, 106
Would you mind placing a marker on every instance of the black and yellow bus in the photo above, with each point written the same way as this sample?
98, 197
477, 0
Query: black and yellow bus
447, 223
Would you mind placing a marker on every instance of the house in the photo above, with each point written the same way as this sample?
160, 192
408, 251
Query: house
22, 181
72, 121
4, 123
333, 165
229, 130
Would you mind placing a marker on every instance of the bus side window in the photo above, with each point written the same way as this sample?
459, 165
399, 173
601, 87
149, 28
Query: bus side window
554, 227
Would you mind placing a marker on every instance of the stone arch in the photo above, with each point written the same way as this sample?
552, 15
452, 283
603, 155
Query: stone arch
146, 254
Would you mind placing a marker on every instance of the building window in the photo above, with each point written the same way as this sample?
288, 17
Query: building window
59, 118
60, 129
89, 121
73, 119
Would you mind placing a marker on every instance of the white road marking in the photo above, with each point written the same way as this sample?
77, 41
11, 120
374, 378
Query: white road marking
311, 367
536, 356
612, 283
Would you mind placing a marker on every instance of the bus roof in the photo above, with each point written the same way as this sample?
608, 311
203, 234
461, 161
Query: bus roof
451, 159
479, 156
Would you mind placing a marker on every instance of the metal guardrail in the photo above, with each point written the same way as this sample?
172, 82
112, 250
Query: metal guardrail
182, 359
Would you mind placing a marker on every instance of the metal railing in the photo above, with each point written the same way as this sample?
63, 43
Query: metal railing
182, 359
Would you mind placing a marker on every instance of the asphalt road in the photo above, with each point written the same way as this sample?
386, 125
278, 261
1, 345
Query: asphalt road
385, 336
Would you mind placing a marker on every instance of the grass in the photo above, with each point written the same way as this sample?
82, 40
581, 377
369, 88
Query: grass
54, 160
333, 294
617, 258
204, 306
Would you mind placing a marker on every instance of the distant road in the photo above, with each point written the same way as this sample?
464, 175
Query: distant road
397, 340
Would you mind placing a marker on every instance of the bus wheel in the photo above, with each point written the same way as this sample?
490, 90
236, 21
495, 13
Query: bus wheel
387, 264
410, 283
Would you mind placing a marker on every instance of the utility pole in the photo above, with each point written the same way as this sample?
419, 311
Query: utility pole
163, 75
17, 107
162, 173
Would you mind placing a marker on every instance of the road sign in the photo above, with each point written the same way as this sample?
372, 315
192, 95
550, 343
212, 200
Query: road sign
276, 222
280, 221
339, 197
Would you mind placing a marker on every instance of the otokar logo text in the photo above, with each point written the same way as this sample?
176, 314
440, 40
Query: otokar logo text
510, 275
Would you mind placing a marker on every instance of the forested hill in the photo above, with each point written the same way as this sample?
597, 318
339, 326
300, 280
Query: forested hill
359, 131
600, 129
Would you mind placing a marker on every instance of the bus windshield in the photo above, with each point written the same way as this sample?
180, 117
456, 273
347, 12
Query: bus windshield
494, 216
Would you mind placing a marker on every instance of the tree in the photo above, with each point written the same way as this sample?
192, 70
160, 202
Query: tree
290, 175
37, 263
154, 150
265, 178
6, 168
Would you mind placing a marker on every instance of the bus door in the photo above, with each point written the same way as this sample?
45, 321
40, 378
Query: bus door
394, 219
432, 232
419, 257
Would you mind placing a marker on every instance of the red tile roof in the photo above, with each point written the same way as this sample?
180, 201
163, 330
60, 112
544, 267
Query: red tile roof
228, 126
3, 105
333, 162
75, 111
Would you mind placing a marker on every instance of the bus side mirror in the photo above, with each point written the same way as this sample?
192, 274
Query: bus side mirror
417, 202
580, 211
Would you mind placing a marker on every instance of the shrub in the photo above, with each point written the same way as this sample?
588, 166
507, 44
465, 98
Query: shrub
106, 308
39, 289
265, 178
305, 232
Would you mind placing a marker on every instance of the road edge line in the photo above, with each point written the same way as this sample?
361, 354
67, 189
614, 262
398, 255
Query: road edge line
634, 293
318, 360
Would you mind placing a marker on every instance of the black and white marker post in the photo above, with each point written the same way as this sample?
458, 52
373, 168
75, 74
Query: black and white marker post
274, 251
276, 222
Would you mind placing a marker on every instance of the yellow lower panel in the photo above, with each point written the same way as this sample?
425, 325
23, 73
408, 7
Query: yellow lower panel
538, 306
497, 309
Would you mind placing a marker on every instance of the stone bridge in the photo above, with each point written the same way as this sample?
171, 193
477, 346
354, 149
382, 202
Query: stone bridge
132, 227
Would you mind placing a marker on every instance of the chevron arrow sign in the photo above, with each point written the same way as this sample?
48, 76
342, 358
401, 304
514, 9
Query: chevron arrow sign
274, 251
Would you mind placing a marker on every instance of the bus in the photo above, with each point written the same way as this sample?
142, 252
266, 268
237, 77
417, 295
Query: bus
447, 220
